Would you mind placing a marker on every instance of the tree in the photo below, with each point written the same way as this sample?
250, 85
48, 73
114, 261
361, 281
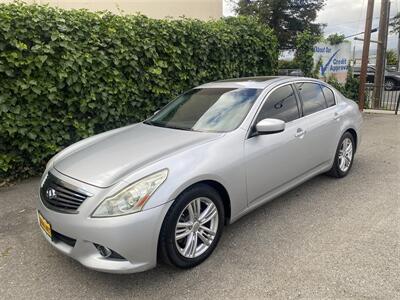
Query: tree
305, 42
317, 68
335, 39
396, 23
286, 17
288, 64
391, 57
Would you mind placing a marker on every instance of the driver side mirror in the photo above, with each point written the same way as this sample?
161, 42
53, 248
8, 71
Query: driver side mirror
270, 126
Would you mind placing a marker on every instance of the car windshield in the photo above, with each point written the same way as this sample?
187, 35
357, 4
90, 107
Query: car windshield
208, 109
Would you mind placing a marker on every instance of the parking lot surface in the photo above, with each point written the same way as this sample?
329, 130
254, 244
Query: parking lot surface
327, 238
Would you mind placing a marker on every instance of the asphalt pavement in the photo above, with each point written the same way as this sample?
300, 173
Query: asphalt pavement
327, 238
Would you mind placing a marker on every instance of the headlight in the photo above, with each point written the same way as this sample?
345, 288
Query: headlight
131, 199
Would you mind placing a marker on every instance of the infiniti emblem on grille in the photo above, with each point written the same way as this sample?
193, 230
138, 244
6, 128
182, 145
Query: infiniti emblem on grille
51, 193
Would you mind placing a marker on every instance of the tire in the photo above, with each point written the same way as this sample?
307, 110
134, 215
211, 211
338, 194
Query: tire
339, 168
172, 251
389, 84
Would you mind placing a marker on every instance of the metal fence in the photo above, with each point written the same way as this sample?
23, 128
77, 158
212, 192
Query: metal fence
388, 100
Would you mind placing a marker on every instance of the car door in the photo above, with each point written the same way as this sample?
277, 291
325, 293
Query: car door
321, 123
272, 160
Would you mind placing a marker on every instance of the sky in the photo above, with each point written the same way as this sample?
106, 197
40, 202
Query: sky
346, 17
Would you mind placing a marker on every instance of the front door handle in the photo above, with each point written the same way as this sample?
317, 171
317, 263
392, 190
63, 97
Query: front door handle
300, 133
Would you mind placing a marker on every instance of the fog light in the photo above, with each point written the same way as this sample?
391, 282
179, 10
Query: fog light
104, 251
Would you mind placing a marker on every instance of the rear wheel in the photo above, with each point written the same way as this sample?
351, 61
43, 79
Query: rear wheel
192, 227
344, 156
389, 84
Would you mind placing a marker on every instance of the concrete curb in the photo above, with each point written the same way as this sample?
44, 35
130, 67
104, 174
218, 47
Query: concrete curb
377, 111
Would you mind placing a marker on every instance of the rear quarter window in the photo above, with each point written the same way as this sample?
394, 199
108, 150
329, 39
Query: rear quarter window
329, 96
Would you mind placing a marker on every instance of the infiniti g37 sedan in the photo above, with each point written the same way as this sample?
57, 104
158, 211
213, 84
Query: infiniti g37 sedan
164, 189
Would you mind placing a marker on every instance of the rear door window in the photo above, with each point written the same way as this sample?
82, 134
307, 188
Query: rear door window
312, 98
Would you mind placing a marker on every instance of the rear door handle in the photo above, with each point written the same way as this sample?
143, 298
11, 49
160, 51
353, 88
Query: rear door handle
336, 116
300, 133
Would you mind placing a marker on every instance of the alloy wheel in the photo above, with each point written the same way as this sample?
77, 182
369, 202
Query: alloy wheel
196, 227
389, 85
345, 154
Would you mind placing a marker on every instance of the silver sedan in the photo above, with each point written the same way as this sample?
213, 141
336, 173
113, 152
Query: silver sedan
165, 188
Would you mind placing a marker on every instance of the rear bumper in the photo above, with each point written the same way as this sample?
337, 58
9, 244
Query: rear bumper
134, 237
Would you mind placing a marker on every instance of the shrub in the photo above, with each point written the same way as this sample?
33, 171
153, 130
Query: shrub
66, 75
350, 88
317, 68
391, 57
336, 84
304, 56
288, 64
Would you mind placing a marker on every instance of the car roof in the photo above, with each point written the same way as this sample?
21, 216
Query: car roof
258, 82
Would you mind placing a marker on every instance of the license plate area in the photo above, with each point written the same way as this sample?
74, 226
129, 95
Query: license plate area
45, 225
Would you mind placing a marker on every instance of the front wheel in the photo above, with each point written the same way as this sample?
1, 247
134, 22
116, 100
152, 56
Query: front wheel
344, 156
192, 227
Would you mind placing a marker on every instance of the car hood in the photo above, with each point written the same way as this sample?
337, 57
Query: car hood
108, 160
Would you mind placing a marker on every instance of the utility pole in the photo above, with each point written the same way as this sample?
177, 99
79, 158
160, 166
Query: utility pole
364, 61
386, 40
381, 52
398, 52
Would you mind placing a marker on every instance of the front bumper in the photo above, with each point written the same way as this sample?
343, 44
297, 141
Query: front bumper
134, 237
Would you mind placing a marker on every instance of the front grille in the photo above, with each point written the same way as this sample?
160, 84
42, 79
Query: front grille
60, 196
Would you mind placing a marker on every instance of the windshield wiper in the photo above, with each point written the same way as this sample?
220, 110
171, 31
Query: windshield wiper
148, 122
179, 128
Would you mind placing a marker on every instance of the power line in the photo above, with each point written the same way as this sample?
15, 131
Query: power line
355, 34
349, 22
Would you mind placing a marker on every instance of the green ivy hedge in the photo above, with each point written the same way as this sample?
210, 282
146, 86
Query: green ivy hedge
66, 75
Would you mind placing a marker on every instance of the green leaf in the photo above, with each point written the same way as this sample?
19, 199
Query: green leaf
155, 71
69, 74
